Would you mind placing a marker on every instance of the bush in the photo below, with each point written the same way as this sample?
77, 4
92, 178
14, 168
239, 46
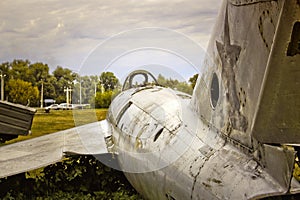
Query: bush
103, 100
77, 177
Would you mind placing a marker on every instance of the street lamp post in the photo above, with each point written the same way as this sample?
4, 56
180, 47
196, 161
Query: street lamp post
80, 91
68, 94
42, 93
2, 85
95, 89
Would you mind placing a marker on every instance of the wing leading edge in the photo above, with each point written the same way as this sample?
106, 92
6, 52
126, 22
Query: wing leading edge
45, 150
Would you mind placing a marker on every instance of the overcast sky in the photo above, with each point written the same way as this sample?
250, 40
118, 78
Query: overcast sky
63, 33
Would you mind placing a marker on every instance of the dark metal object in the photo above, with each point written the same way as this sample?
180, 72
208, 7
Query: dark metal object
15, 119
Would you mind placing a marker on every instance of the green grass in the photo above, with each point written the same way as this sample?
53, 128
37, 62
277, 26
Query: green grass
57, 120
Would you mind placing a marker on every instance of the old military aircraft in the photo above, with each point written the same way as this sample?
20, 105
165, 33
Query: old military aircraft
236, 137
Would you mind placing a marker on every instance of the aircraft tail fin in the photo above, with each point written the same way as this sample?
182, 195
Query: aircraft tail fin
278, 113
251, 86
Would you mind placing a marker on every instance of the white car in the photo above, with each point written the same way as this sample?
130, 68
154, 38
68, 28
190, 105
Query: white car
64, 106
52, 107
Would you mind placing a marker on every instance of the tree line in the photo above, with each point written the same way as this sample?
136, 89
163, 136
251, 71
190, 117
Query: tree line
25, 80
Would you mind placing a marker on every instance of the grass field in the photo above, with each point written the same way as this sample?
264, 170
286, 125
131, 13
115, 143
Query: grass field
57, 120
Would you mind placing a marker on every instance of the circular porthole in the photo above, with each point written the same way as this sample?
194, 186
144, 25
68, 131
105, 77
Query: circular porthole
214, 90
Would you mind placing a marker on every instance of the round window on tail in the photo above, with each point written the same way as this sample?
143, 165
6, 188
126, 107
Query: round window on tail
214, 90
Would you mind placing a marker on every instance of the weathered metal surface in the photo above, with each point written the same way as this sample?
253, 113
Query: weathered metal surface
238, 54
42, 151
15, 119
208, 168
229, 55
144, 125
277, 117
279, 163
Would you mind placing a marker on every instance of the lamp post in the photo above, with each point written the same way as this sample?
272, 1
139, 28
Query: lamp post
67, 95
95, 89
75, 82
68, 91
70, 97
42, 93
80, 91
2, 85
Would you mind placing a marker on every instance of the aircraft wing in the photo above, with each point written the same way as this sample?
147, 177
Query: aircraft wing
45, 150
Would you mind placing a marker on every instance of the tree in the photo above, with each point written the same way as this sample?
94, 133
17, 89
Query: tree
49, 87
64, 73
64, 78
88, 84
24, 70
184, 87
54, 84
22, 92
37, 72
4, 67
19, 69
91, 84
175, 84
109, 81
103, 100
193, 80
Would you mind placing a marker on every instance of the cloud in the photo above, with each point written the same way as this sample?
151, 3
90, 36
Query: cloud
63, 32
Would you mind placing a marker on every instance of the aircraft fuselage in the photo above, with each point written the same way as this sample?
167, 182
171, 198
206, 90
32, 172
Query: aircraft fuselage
188, 159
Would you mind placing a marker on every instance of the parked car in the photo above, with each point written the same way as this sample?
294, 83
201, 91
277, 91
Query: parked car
70, 107
81, 106
78, 106
51, 107
65, 106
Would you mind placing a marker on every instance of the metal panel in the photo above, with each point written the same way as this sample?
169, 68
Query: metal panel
279, 163
15, 119
278, 115
234, 58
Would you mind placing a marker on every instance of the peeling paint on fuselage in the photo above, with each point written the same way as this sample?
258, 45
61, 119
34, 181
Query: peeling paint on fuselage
229, 55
